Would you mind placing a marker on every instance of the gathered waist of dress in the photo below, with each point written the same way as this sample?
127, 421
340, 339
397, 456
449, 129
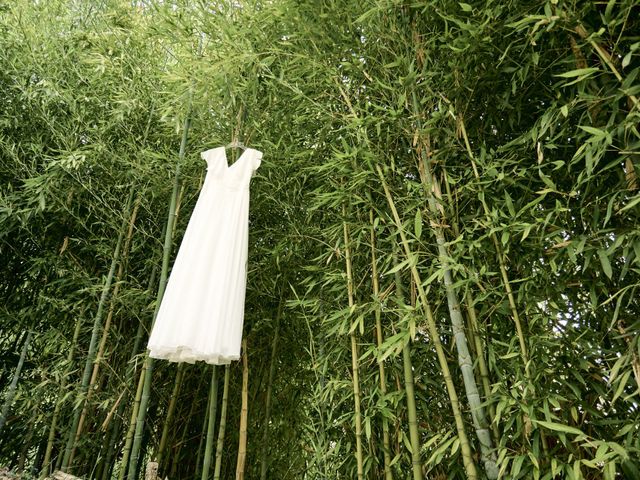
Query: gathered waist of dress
229, 185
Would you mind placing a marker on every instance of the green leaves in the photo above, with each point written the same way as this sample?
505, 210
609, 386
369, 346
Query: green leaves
417, 224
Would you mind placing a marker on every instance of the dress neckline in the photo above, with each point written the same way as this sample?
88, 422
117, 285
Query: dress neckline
238, 160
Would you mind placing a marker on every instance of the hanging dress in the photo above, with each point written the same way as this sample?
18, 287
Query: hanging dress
202, 310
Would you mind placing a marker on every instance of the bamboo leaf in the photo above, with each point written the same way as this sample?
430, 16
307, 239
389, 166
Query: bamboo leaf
604, 261
417, 224
559, 427
580, 72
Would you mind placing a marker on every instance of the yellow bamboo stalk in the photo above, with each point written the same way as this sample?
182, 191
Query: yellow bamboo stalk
383, 382
354, 350
465, 447
244, 414
223, 425
107, 326
500, 253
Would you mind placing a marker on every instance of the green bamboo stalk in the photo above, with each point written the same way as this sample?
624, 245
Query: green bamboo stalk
354, 350
223, 425
187, 423
93, 343
166, 428
244, 414
26, 441
164, 274
475, 333
11, 391
465, 447
500, 254
59, 401
213, 405
409, 387
267, 407
114, 432
107, 325
128, 443
465, 361
388, 474
505, 277
130, 373
203, 433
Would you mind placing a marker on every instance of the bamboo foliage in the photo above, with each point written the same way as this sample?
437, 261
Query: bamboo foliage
447, 203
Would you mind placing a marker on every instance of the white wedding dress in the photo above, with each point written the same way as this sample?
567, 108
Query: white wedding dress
202, 310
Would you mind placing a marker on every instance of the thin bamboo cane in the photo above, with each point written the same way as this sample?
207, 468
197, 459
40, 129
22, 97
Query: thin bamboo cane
409, 387
26, 443
93, 343
164, 274
500, 254
267, 406
354, 349
505, 280
130, 374
107, 325
166, 428
59, 401
223, 425
211, 412
475, 332
606, 58
114, 432
203, 433
465, 361
128, 443
11, 391
187, 423
465, 448
244, 414
388, 474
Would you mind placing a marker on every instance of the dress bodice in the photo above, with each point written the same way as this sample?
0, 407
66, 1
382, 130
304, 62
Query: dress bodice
239, 174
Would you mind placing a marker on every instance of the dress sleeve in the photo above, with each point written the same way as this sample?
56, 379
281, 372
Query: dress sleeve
257, 160
209, 156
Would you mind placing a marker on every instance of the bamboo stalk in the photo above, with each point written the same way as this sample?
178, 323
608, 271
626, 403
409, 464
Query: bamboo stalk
409, 387
26, 443
606, 58
164, 274
465, 361
244, 414
129, 377
203, 432
267, 406
354, 349
223, 425
475, 333
166, 428
59, 401
500, 254
128, 443
185, 429
107, 325
465, 447
388, 475
11, 391
505, 280
114, 432
93, 343
211, 413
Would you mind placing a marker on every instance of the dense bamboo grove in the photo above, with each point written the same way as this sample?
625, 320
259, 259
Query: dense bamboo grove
444, 257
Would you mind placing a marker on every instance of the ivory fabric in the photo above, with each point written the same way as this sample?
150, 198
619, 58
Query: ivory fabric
202, 310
